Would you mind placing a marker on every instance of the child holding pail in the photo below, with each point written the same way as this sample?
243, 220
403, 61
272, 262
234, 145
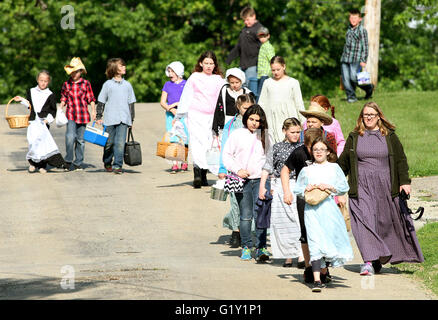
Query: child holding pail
76, 94
117, 99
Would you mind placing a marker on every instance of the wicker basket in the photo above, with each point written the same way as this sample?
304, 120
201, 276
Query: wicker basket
172, 151
16, 121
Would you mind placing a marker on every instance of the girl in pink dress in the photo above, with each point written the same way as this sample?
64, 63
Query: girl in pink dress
197, 104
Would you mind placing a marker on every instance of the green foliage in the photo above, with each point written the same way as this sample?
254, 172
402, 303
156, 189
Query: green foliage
150, 34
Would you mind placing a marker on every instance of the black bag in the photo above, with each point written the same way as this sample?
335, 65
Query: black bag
132, 156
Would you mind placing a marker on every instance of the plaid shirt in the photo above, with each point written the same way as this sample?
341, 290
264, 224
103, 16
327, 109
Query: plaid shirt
331, 139
356, 45
264, 61
77, 96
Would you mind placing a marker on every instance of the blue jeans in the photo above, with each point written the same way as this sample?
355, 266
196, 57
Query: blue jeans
349, 78
260, 86
115, 145
247, 205
74, 141
251, 79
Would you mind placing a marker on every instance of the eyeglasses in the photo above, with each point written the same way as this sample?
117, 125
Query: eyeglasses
370, 115
319, 150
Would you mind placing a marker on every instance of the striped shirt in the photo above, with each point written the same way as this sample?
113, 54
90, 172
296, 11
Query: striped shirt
264, 61
356, 45
77, 95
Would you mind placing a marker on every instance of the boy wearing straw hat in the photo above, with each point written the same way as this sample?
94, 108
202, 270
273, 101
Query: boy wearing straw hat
76, 94
316, 118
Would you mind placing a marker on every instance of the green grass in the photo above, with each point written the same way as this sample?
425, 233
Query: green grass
415, 115
428, 270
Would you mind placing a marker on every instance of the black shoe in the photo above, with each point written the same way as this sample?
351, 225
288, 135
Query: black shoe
287, 265
204, 181
318, 286
377, 265
301, 265
235, 239
78, 168
326, 277
67, 166
197, 178
308, 275
369, 93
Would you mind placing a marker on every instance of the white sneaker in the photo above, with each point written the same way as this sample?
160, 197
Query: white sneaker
31, 169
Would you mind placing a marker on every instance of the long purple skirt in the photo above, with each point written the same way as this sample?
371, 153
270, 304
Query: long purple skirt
381, 231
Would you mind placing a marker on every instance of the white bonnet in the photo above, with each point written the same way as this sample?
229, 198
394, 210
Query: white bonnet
236, 72
177, 67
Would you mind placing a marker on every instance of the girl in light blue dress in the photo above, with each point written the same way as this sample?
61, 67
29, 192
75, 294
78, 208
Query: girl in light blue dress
326, 230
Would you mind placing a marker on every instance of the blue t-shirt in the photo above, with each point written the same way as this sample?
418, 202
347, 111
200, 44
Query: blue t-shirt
174, 91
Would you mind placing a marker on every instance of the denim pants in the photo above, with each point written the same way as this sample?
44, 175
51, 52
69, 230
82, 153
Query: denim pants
251, 79
260, 86
349, 78
115, 145
74, 142
247, 205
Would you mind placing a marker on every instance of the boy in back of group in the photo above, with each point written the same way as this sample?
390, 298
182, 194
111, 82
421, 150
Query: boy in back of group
247, 48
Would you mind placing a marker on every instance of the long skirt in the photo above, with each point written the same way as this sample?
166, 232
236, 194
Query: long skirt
380, 230
200, 136
285, 229
42, 147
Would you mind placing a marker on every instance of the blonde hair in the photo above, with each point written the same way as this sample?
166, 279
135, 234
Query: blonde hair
291, 122
383, 124
44, 72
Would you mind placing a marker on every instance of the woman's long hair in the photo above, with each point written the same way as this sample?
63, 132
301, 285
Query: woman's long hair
383, 123
208, 54
256, 109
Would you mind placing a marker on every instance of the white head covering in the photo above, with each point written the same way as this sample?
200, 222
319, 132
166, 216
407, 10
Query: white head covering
177, 67
236, 72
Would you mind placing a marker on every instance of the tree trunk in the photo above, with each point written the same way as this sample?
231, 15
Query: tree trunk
372, 25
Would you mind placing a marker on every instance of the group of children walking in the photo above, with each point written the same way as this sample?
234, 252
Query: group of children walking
117, 98
274, 150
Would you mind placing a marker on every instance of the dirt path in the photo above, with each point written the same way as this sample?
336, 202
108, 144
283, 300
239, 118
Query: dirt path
145, 234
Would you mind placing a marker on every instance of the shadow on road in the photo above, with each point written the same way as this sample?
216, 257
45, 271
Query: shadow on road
38, 288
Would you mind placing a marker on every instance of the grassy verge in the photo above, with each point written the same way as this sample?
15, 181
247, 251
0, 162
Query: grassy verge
428, 270
415, 115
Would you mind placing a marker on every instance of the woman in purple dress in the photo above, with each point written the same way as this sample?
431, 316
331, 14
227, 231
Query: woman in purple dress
377, 169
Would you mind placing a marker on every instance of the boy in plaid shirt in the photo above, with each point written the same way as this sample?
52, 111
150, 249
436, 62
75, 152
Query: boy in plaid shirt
76, 94
354, 55
266, 53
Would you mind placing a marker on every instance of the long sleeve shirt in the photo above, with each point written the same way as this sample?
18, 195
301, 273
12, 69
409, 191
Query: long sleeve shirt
356, 45
247, 47
244, 150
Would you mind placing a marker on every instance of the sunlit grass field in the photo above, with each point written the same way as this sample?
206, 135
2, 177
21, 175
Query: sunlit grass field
415, 115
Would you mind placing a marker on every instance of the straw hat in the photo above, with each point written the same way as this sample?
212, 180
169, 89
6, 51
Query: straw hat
316, 111
75, 64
